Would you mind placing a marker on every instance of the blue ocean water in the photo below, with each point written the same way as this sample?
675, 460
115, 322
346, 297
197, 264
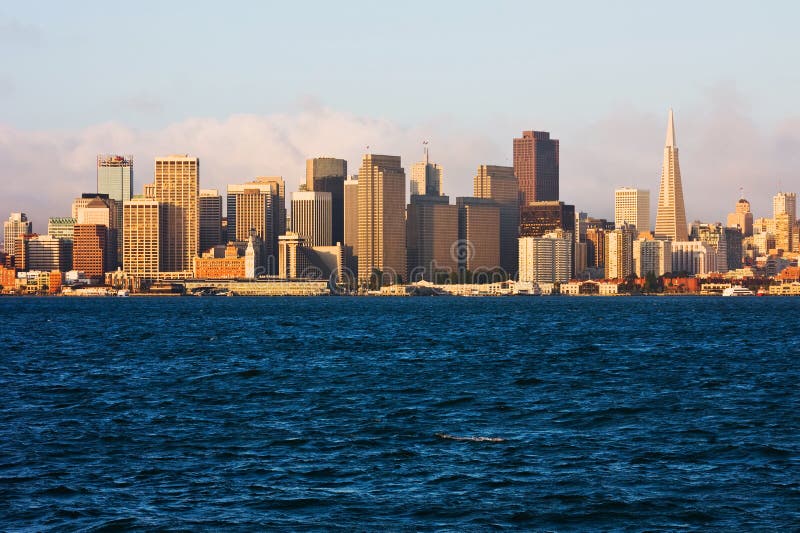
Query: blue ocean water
415, 413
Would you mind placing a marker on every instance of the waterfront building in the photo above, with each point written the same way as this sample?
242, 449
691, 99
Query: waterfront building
381, 219
45, 252
141, 237
426, 177
258, 205
545, 259
536, 167
478, 234
498, 183
671, 214
230, 266
177, 179
298, 260
431, 237
16, 225
619, 252
742, 218
693, 258
632, 206
650, 255
209, 205
91, 250
328, 174
312, 217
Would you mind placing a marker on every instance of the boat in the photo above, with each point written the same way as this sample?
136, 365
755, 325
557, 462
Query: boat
737, 290
123, 293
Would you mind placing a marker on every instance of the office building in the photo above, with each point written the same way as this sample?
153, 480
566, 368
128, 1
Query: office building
545, 259
632, 206
431, 237
540, 218
258, 205
91, 250
209, 205
650, 255
426, 177
693, 258
177, 179
671, 214
48, 253
716, 237
619, 252
381, 220
742, 218
312, 217
16, 225
115, 179
478, 234
596, 248
298, 260
536, 167
61, 227
141, 237
328, 174
784, 211
498, 183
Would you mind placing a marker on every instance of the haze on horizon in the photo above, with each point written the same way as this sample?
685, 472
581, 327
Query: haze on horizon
256, 89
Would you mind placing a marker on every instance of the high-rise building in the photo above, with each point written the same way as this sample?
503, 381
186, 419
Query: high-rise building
48, 253
351, 221
63, 228
91, 250
426, 177
671, 214
619, 252
742, 218
784, 211
632, 206
177, 179
141, 237
693, 258
478, 234
328, 174
210, 215
102, 211
650, 255
258, 205
115, 179
499, 184
785, 202
596, 247
16, 225
381, 219
733, 241
431, 237
539, 218
715, 236
545, 259
536, 166
311, 217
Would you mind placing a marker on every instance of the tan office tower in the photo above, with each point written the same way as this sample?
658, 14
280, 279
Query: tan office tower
431, 237
499, 184
742, 218
141, 237
177, 179
328, 174
311, 217
671, 214
536, 167
426, 177
351, 213
259, 205
619, 252
16, 225
478, 234
210, 216
90, 250
784, 211
381, 218
632, 206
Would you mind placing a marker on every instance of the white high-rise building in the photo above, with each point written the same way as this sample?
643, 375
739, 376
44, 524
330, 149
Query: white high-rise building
16, 225
619, 252
693, 257
545, 259
426, 177
632, 206
785, 202
651, 256
312, 217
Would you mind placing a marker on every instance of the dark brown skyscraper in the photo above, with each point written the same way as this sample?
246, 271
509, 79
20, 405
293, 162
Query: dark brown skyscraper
536, 166
327, 174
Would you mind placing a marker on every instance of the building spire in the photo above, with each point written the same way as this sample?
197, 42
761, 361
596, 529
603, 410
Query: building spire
671, 131
425, 150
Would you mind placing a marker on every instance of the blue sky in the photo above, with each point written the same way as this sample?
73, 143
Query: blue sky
466, 75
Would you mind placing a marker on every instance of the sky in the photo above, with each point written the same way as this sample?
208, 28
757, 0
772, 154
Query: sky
255, 88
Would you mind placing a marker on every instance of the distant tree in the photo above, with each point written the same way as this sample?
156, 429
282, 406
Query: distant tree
651, 282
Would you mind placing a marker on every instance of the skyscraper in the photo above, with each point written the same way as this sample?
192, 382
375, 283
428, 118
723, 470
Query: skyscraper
784, 209
16, 225
177, 187
619, 252
311, 217
259, 206
500, 185
650, 255
328, 174
671, 214
141, 236
426, 177
431, 235
742, 218
536, 166
785, 202
210, 216
632, 206
101, 211
351, 219
115, 178
91, 250
478, 234
545, 259
381, 218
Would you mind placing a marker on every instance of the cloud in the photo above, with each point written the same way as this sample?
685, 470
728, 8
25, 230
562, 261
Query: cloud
14, 32
722, 148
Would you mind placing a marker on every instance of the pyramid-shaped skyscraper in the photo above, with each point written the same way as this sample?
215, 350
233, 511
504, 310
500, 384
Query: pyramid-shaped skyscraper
671, 214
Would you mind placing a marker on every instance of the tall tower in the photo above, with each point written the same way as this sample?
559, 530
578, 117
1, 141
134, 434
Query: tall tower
426, 177
381, 217
115, 178
258, 205
500, 185
671, 214
536, 166
16, 225
177, 180
141, 234
328, 174
742, 218
632, 206
210, 217
311, 217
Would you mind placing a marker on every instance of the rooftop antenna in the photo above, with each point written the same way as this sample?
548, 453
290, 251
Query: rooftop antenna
741, 193
425, 150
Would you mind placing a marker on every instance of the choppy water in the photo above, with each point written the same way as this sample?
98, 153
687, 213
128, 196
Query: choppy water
417, 413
